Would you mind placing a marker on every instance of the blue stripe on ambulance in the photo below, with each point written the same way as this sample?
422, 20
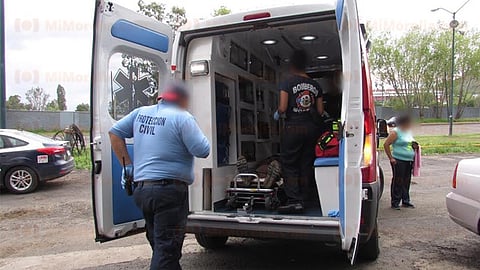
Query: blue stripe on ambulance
341, 185
339, 12
140, 35
124, 209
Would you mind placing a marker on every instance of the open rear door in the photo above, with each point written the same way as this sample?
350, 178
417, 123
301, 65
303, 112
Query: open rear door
131, 59
351, 145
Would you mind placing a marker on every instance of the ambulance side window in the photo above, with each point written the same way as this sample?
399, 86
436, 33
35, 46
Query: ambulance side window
133, 83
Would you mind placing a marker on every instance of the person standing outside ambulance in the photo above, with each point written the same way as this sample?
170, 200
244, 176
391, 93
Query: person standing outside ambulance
166, 140
401, 141
300, 99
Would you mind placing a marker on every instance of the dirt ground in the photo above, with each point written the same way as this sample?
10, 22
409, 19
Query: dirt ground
53, 229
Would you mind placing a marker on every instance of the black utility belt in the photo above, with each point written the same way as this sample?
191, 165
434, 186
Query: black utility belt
162, 182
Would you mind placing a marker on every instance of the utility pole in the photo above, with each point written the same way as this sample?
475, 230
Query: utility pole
453, 24
3, 109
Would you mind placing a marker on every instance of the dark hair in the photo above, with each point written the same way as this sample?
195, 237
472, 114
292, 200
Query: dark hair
298, 60
404, 120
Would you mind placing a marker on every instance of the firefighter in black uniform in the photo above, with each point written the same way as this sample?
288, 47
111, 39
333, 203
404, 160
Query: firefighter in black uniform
301, 102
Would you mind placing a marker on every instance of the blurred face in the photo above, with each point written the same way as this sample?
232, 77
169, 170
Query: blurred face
406, 126
183, 103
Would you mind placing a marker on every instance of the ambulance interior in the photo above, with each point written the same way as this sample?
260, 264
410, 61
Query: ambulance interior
245, 70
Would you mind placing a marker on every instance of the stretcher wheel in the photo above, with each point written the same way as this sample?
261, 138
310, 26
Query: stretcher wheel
271, 203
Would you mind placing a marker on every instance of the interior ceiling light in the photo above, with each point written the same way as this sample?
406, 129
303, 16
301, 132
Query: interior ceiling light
269, 42
322, 57
308, 37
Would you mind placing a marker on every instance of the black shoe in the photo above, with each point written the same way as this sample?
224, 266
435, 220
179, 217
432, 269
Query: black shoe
292, 208
395, 207
408, 205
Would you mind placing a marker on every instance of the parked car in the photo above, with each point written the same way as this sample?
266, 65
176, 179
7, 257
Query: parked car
26, 159
463, 203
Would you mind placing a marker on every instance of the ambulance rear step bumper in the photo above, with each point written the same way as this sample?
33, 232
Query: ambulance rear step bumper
327, 230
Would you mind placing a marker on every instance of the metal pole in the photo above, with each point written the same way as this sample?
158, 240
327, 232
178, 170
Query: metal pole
453, 24
3, 95
450, 117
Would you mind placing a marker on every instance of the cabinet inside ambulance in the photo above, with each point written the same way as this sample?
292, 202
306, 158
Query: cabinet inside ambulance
246, 68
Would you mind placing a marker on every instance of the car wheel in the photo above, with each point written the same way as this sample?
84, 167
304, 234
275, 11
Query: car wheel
21, 180
382, 181
370, 250
211, 242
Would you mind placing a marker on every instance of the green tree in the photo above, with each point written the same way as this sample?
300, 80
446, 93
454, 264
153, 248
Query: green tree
62, 101
15, 103
37, 99
222, 10
83, 107
418, 67
52, 106
153, 10
467, 65
404, 63
177, 17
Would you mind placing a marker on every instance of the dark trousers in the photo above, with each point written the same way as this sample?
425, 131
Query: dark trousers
402, 177
165, 209
297, 156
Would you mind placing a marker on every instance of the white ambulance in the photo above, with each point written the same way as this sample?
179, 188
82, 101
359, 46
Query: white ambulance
233, 65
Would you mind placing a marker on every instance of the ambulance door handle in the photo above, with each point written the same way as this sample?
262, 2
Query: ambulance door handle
97, 167
349, 134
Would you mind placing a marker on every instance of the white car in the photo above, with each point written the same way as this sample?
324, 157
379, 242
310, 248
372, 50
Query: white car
463, 203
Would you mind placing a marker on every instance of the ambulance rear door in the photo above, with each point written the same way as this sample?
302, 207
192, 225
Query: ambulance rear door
351, 143
131, 60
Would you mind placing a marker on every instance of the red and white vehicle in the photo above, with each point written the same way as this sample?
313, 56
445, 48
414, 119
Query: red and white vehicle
463, 203
233, 65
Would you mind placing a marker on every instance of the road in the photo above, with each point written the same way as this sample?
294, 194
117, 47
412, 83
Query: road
442, 129
53, 228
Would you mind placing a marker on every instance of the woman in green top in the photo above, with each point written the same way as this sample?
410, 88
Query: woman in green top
401, 158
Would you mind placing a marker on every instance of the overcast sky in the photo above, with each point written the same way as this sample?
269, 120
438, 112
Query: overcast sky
41, 52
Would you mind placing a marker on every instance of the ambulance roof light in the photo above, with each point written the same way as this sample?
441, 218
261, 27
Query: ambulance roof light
269, 42
308, 37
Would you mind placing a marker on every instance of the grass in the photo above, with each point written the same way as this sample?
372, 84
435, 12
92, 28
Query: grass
82, 160
467, 143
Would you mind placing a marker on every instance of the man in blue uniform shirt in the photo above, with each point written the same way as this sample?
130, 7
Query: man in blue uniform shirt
166, 140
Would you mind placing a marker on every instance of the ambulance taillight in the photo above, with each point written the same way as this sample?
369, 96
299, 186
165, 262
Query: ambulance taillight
369, 170
256, 16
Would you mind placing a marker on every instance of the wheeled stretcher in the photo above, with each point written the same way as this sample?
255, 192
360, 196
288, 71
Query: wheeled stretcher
246, 192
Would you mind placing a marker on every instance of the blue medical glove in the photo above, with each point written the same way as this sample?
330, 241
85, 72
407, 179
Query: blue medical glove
127, 172
276, 116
